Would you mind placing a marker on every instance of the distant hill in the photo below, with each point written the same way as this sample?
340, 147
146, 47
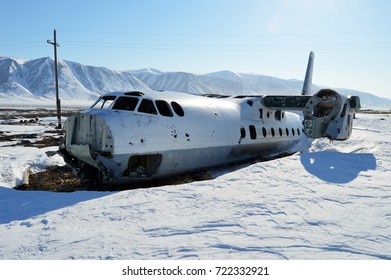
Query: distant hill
31, 82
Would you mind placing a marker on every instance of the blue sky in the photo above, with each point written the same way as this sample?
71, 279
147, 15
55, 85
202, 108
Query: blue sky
351, 38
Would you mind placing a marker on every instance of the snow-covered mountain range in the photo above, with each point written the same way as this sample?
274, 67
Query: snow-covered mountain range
32, 82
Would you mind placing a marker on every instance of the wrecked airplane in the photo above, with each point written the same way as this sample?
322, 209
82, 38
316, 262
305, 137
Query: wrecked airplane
137, 136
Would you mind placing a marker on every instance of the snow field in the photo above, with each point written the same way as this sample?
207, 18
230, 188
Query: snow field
331, 203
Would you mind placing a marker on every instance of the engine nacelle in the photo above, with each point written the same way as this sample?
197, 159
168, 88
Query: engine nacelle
329, 114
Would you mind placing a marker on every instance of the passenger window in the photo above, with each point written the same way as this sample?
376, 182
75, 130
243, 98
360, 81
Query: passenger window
177, 109
280, 131
253, 132
163, 108
147, 106
260, 113
287, 131
298, 131
277, 115
293, 131
264, 132
273, 133
125, 103
242, 132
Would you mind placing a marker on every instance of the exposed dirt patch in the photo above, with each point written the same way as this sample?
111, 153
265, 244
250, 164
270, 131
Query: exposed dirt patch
31, 114
62, 179
54, 179
33, 140
51, 137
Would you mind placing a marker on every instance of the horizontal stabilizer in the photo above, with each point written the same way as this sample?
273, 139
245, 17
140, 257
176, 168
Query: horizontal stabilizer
285, 102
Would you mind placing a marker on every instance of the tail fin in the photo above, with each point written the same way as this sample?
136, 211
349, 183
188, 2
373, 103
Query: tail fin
308, 75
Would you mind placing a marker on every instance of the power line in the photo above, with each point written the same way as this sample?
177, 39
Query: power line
208, 46
228, 35
107, 44
219, 47
23, 34
22, 43
191, 46
232, 47
21, 48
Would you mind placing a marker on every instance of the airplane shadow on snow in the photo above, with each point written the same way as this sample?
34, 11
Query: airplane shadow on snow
337, 167
18, 205
333, 167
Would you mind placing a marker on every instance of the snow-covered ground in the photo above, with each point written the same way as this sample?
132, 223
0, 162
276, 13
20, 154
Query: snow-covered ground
331, 203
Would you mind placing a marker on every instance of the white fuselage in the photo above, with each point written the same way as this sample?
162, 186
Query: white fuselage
171, 133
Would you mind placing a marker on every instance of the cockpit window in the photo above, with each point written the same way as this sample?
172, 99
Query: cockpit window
163, 108
147, 106
125, 103
104, 102
178, 109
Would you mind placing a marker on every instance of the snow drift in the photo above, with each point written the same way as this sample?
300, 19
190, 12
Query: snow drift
333, 202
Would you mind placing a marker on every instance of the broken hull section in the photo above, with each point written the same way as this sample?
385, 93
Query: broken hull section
128, 167
170, 163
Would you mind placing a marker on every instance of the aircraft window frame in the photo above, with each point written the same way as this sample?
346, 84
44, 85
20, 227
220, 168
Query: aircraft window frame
264, 132
125, 103
253, 132
105, 100
147, 106
277, 115
164, 108
242, 132
177, 109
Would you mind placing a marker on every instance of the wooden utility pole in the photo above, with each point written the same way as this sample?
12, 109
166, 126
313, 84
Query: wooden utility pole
58, 101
